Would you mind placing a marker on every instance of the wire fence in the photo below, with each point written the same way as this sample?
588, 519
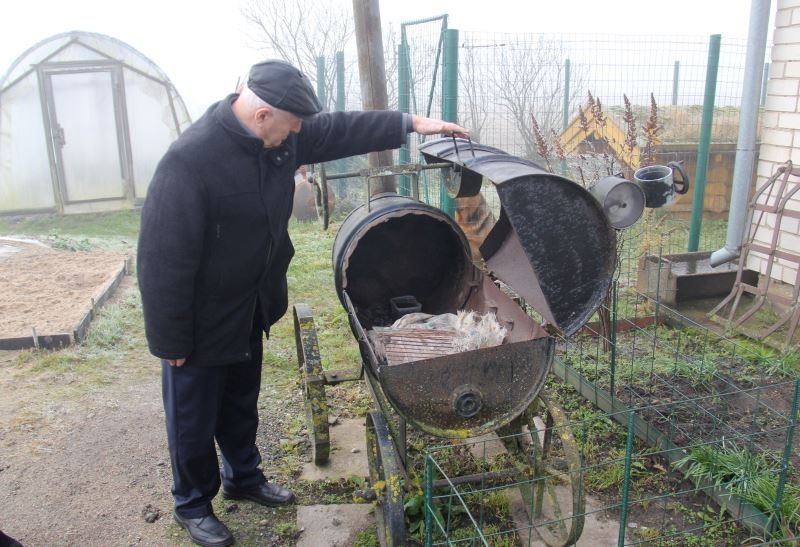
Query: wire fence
526, 94
683, 436
641, 481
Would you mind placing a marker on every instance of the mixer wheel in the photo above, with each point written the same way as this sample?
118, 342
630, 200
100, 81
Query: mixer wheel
555, 496
312, 382
385, 476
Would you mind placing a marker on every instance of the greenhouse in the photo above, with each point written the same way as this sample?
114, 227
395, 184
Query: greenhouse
84, 119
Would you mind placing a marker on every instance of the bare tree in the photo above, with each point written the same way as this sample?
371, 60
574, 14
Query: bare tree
300, 31
474, 90
529, 80
390, 52
524, 76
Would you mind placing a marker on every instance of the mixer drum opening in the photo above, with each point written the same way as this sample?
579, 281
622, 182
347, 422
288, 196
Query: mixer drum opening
402, 248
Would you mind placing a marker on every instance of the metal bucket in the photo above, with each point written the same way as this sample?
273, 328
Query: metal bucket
622, 200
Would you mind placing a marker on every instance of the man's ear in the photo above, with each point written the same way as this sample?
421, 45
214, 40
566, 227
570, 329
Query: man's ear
263, 113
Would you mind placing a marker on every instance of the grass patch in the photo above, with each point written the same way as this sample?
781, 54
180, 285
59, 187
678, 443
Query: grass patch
755, 477
122, 225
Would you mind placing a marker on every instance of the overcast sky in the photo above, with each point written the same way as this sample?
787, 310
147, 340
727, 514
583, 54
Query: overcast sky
202, 47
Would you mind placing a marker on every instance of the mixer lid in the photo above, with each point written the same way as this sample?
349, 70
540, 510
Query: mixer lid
552, 243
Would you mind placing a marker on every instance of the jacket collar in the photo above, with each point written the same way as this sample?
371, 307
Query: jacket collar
224, 115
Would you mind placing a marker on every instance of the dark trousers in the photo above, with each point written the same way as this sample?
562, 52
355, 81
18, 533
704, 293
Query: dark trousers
203, 404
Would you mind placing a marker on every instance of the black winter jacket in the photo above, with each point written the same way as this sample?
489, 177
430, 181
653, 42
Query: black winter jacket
213, 246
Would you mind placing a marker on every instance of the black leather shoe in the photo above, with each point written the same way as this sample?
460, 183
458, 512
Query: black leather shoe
266, 494
207, 531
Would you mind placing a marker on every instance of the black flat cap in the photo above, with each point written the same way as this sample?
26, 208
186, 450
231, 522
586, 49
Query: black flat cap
284, 86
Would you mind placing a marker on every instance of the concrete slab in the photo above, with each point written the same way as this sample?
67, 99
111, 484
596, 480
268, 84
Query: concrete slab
332, 525
348, 455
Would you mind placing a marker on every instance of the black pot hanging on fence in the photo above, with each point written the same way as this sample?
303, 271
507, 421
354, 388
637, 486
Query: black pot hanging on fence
659, 184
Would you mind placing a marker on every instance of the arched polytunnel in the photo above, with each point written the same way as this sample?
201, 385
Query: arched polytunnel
84, 119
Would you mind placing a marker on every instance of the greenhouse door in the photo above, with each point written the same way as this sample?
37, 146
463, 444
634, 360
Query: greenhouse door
88, 143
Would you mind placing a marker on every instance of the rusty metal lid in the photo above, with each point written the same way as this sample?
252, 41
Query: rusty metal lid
552, 244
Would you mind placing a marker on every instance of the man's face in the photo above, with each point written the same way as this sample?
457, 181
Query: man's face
275, 125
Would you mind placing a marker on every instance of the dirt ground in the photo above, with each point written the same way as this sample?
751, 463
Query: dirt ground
87, 473
83, 469
84, 461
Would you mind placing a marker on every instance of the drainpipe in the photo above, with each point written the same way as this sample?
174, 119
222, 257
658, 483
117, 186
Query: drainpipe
748, 121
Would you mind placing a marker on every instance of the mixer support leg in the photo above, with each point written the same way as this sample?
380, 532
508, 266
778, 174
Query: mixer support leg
312, 382
386, 477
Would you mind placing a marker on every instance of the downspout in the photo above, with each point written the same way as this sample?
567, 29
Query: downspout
748, 128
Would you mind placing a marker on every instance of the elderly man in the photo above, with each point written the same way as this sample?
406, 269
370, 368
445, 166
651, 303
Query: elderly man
212, 260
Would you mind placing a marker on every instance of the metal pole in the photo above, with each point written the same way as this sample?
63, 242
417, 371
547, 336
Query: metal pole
565, 107
372, 72
403, 96
340, 81
764, 81
340, 102
746, 144
428, 499
321, 93
613, 338
623, 509
449, 101
675, 79
565, 110
705, 139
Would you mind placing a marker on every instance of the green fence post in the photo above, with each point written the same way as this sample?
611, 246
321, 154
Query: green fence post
449, 101
339, 81
339, 105
705, 140
428, 499
565, 109
787, 452
623, 510
403, 80
612, 336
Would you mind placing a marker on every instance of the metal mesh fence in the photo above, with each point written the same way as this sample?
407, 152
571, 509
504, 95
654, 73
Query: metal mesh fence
642, 99
639, 480
505, 79
683, 436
